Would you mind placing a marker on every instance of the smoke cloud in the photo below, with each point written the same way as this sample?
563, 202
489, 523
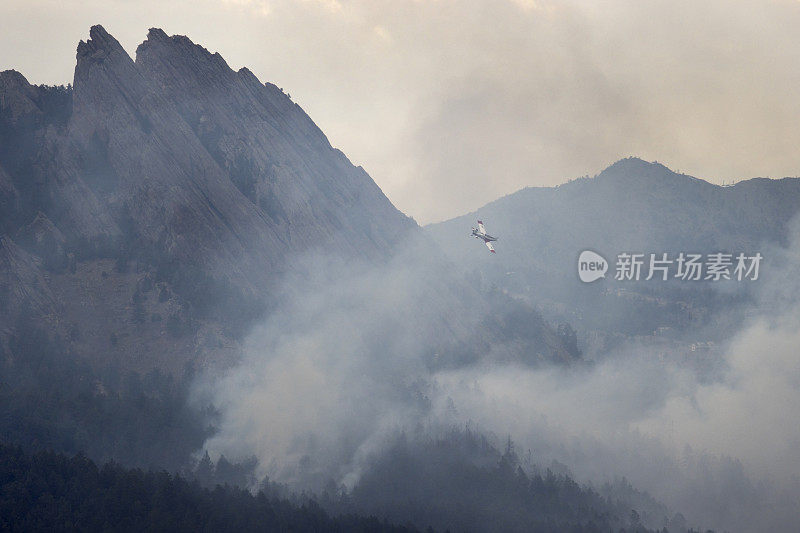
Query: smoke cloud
344, 363
340, 364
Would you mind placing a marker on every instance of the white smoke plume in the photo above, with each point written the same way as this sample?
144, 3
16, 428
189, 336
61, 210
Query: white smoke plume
345, 362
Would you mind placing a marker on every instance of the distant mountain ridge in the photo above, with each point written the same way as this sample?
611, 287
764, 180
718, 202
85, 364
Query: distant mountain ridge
632, 206
612, 206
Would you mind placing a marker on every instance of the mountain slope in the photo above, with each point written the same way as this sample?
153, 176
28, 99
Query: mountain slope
162, 202
275, 155
632, 206
177, 188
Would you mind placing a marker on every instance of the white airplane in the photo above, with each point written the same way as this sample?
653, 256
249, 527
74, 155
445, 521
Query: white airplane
480, 233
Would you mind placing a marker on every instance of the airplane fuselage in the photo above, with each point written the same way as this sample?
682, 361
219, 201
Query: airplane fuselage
485, 237
480, 233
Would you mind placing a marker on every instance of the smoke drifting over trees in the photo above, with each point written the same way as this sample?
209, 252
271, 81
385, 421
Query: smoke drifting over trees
344, 367
193, 278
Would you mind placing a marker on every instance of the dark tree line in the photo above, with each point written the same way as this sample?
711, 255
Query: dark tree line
51, 400
461, 481
46, 491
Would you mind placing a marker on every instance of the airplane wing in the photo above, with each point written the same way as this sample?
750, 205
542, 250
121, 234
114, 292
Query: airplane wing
490, 247
481, 229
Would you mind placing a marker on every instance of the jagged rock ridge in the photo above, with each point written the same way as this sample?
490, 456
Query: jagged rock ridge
171, 181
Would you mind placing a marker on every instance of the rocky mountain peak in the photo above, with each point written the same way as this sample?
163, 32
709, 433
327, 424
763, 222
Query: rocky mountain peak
106, 80
11, 80
158, 42
155, 34
633, 173
183, 67
100, 45
206, 179
636, 168
17, 96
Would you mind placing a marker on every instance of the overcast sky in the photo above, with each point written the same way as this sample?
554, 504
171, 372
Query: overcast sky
450, 104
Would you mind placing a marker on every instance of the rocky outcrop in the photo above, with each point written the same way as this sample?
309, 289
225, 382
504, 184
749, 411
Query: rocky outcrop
17, 98
9, 201
179, 154
151, 166
271, 150
42, 164
176, 169
24, 292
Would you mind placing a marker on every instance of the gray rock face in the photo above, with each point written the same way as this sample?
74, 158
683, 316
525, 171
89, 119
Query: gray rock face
45, 240
151, 167
9, 200
23, 288
195, 160
17, 97
204, 179
274, 154
42, 164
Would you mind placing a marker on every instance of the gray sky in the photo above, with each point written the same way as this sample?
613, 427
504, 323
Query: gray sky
450, 104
